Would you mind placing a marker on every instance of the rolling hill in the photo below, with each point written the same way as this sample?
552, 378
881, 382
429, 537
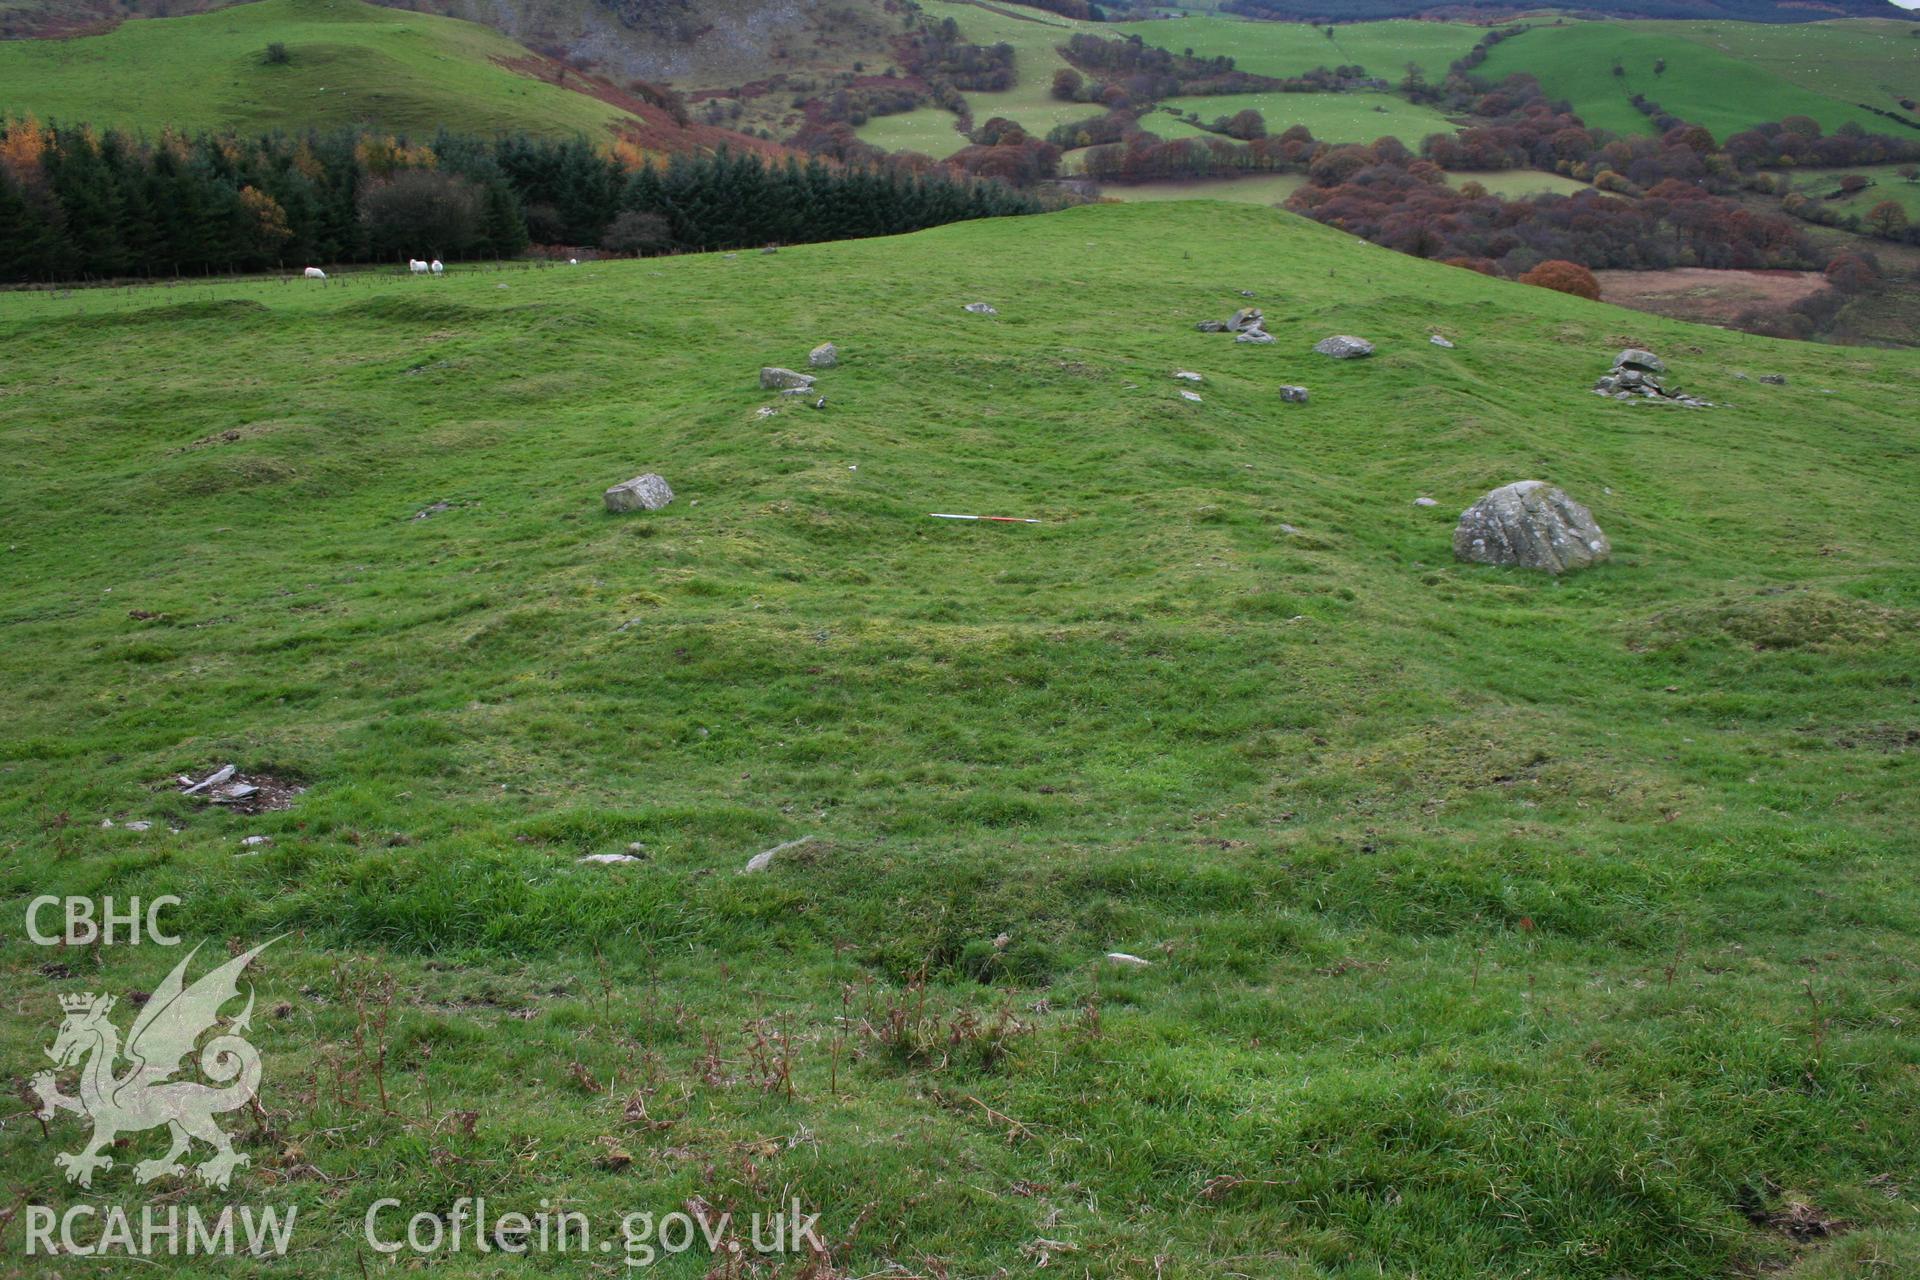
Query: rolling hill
1475, 922
1693, 80
347, 63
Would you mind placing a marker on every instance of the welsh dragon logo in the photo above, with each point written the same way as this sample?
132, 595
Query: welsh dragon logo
144, 1095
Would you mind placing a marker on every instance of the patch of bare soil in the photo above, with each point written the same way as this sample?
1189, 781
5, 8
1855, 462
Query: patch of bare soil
228, 787
1707, 296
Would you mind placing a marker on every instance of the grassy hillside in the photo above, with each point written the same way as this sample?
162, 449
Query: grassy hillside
1875, 61
1274, 188
1292, 48
1700, 84
349, 63
1036, 37
1498, 924
1886, 184
1333, 117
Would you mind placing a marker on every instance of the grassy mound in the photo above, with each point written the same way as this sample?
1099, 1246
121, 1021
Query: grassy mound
1497, 923
348, 63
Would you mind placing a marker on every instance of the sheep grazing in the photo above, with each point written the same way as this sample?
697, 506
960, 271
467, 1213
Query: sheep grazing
573, 262
315, 273
416, 266
438, 266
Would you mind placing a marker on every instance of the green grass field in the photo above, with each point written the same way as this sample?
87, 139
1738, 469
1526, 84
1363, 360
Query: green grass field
1887, 185
1701, 84
1274, 188
1333, 117
1291, 48
1035, 38
1875, 61
1262, 188
1498, 925
1262, 47
350, 63
1517, 183
928, 130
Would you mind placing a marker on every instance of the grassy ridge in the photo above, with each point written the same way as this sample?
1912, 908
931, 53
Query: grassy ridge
350, 63
1700, 84
1483, 907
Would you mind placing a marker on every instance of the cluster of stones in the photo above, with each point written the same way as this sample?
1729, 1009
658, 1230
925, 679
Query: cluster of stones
1246, 325
1639, 375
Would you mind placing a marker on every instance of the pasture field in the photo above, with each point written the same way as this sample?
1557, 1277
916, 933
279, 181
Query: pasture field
1887, 184
1275, 188
1292, 48
1036, 40
349, 63
1870, 60
1516, 183
928, 130
1700, 84
1332, 117
1258, 188
1496, 924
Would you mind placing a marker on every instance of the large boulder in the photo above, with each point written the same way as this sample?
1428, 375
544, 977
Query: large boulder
981, 308
642, 493
1344, 346
1529, 524
1247, 318
774, 378
1211, 326
824, 356
1294, 395
1635, 358
1253, 335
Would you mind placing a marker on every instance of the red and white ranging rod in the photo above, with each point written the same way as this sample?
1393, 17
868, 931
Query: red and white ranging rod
941, 515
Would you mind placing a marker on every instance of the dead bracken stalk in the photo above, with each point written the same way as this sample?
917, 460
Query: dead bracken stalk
1679, 950
904, 1025
1819, 1036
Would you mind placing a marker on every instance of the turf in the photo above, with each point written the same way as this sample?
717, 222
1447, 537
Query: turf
1700, 85
928, 130
1263, 188
1036, 37
1859, 60
1517, 183
1274, 188
1886, 184
1332, 117
350, 63
1292, 49
1498, 924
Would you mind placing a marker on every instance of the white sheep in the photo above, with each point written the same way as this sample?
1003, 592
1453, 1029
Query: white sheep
315, 273
573, 262
416, 266
438, 267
